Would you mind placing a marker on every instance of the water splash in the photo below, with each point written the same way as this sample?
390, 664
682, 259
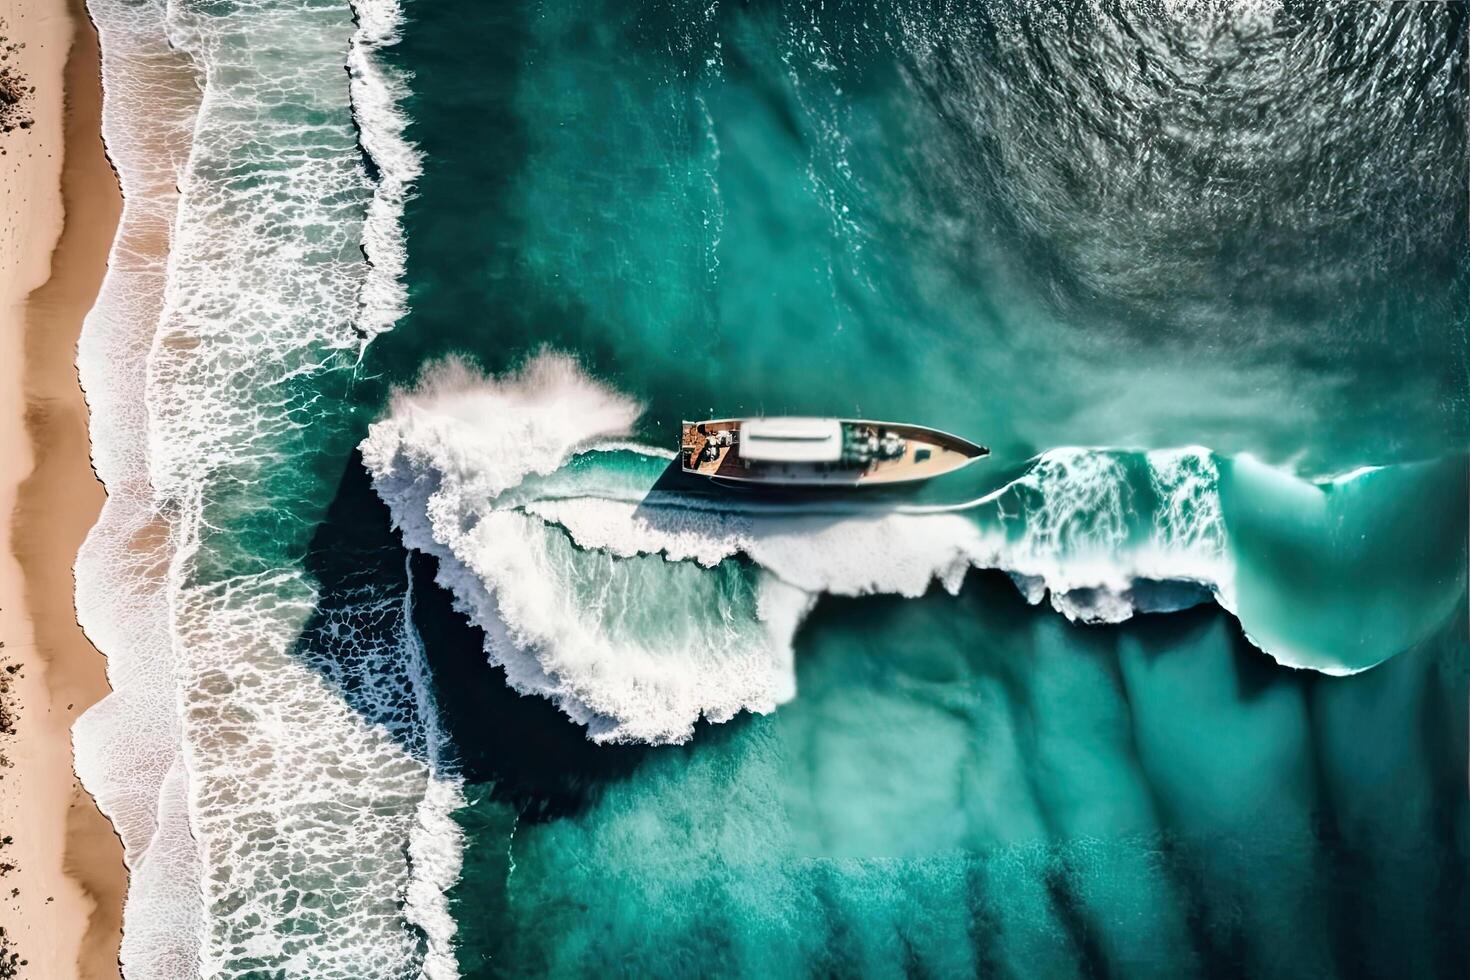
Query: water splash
639, 614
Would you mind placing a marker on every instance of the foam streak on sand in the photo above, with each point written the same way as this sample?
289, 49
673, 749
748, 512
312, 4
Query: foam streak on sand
257, 749
640, 614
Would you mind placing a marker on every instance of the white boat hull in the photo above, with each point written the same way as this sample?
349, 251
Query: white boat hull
809, 452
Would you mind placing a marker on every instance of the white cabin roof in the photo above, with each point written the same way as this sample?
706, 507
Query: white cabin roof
791, 440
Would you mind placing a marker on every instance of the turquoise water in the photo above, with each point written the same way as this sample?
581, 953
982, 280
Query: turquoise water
769, 207
1040, 226
969, 786
434, 669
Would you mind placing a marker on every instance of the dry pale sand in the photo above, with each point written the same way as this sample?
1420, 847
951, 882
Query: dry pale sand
59, 213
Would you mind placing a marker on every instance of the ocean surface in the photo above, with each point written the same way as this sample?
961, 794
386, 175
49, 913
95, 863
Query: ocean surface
423, 664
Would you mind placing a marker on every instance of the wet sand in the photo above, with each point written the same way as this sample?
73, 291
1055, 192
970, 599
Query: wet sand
61, 205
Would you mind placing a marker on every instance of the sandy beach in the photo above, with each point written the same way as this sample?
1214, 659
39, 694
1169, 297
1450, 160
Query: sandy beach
63, 888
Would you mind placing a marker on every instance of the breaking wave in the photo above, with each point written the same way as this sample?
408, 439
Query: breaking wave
269, 753
640, 610
128, 746
377, 92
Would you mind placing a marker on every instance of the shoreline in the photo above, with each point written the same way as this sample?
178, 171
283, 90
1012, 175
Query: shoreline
62, 203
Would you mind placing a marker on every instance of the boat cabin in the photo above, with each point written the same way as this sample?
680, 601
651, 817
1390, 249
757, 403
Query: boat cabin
821, 451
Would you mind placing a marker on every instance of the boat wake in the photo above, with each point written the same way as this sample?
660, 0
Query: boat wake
638, 611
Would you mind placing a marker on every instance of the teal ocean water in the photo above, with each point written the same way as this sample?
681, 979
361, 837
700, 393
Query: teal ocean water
457, 681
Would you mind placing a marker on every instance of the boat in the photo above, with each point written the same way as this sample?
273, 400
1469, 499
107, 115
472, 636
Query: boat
821, 452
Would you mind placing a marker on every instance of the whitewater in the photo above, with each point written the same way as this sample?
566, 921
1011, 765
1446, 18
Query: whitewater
272, 754
640, 611
254, 801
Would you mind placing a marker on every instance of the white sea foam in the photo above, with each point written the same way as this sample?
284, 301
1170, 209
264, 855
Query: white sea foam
256, 750
377, 92
557, 582
436, 844
1071, 540
440, 461
127, 746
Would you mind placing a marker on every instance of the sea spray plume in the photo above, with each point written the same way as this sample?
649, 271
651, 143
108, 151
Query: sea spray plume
506, 428
637, 615
582, 629
493, 432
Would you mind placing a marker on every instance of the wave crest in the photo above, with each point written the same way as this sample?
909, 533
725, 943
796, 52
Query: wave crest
639, 611
226, 320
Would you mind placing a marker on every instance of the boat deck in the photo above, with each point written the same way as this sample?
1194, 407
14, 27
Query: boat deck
910, 467
927, 454
727, 460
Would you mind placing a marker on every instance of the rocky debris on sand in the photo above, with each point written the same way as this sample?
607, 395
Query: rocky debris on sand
15, 93
10, 961
11, 964
7, 696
